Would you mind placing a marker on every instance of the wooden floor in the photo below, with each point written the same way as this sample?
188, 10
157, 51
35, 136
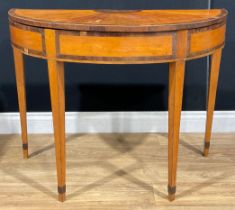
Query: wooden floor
118, 171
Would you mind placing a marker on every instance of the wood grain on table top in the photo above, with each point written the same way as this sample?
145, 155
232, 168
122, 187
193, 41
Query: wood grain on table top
118, 20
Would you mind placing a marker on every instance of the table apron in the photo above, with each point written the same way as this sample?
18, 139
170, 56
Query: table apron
117, 47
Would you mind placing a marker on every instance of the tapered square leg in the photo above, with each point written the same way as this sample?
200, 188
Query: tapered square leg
213, 82
56, 78
20, 82
176, 83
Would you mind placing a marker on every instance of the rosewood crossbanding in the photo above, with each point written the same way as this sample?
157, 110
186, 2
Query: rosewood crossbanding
117, 37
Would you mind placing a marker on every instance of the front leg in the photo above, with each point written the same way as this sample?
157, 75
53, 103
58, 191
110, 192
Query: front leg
56, 78
176, 83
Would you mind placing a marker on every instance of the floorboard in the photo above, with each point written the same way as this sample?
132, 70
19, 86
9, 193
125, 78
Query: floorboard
118, 172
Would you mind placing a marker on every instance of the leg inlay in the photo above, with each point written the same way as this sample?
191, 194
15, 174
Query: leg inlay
25, 146
171, 190
207, 145
61, 190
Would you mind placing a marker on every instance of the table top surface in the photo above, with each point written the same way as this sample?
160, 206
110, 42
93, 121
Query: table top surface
118, 20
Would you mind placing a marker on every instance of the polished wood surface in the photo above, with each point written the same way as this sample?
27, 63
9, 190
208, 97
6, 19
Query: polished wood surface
176, 84
118, 37
118, 172
20, 82
138, 46
213, 82
209, 39
117, 47
118, 20
28, 39
56, 79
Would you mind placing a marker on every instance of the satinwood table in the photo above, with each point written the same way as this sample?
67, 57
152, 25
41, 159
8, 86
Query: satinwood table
117, 37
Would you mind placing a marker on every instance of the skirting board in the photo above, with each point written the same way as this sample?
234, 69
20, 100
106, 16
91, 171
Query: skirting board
117, 122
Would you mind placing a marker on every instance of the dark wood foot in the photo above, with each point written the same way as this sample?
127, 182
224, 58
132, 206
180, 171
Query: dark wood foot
206, 149
171, 193
61, 191
25, 151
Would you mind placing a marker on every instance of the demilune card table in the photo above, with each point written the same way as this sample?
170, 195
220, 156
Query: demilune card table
117, 37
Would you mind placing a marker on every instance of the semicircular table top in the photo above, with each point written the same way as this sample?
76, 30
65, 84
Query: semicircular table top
118, 20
